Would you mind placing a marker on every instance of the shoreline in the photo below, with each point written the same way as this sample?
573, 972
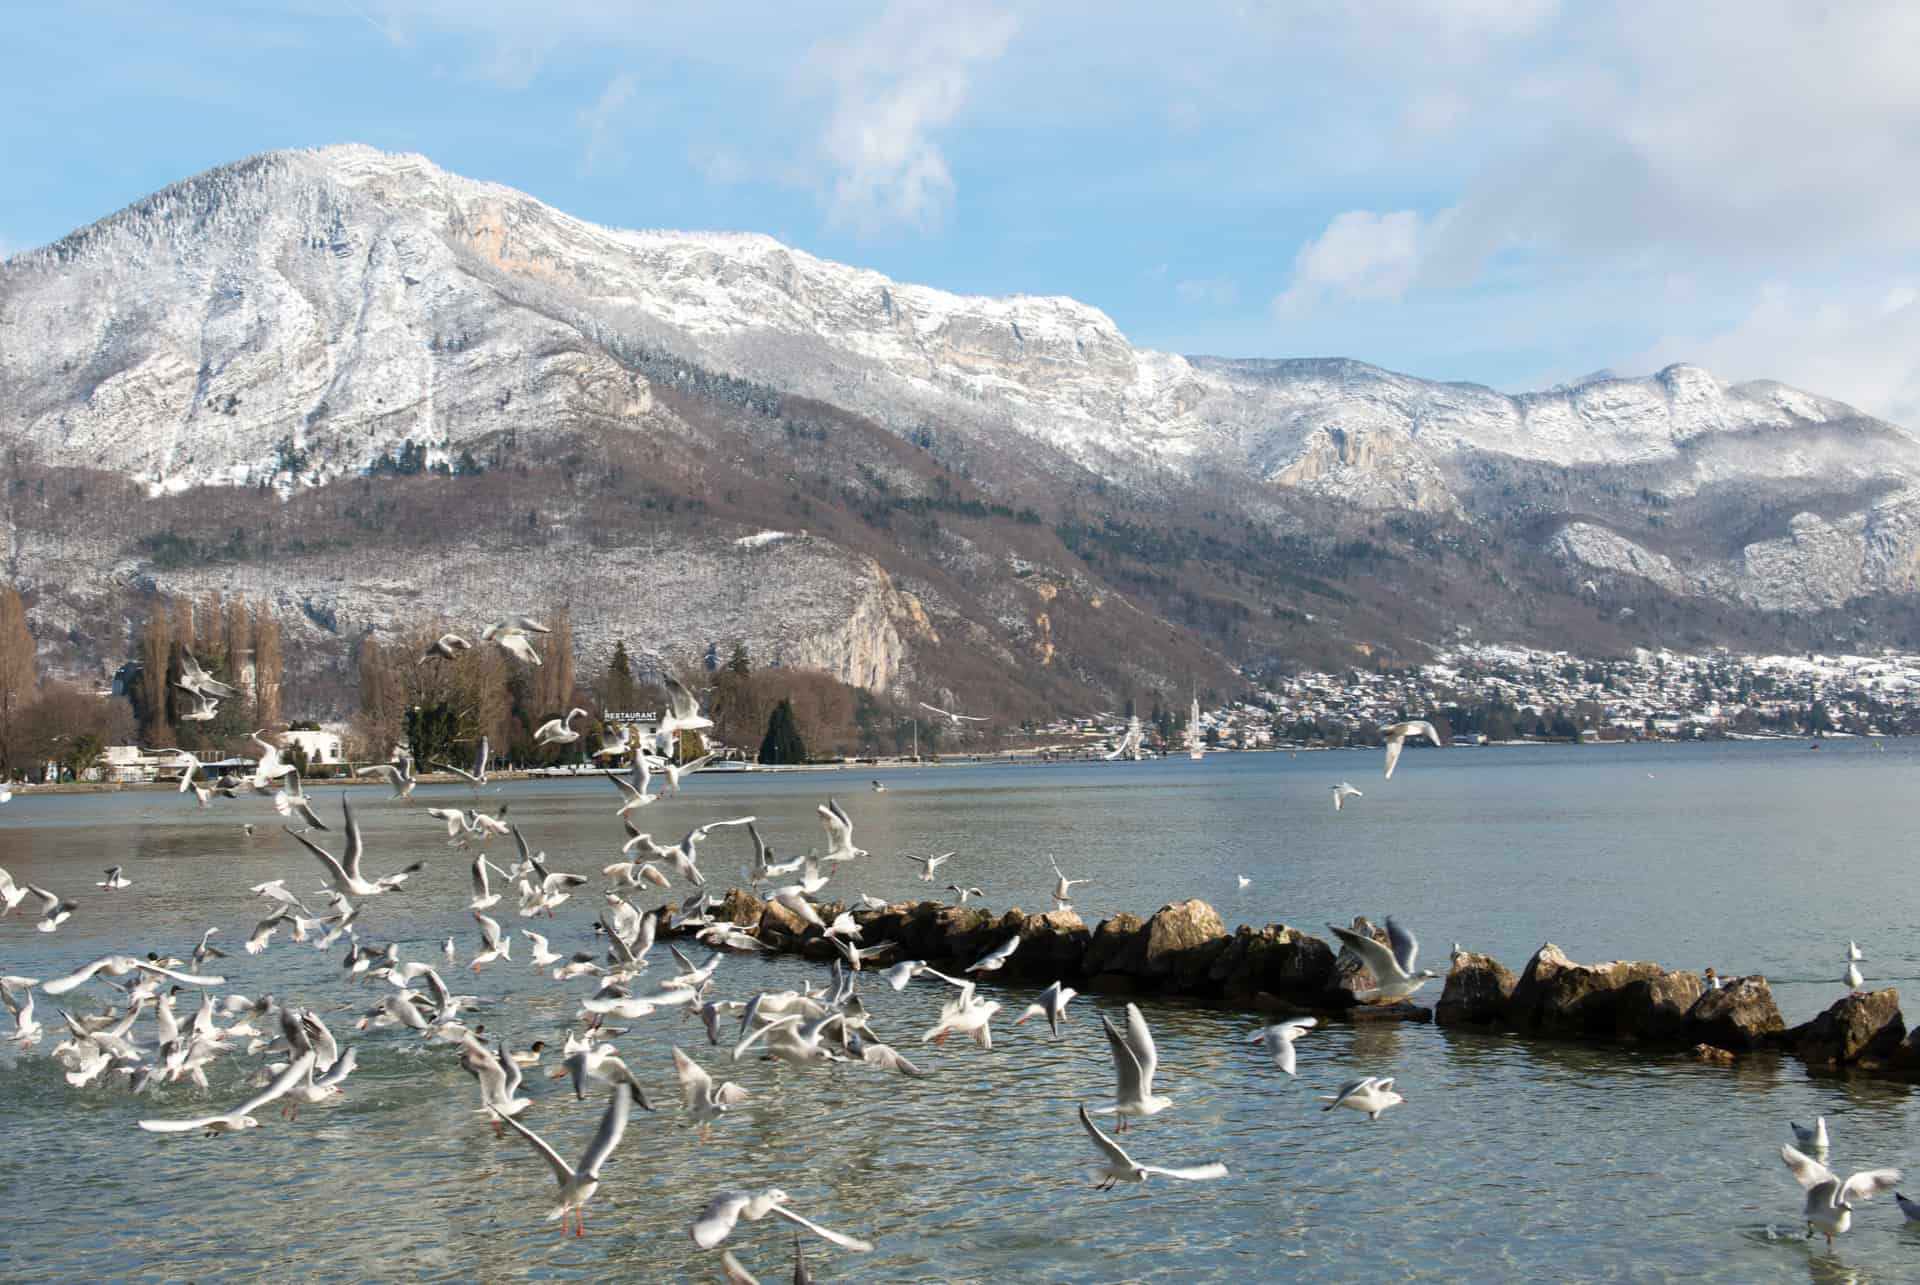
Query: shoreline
999, 759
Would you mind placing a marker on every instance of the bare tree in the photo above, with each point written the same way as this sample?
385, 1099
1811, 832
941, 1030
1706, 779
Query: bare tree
266, 663
16, 676
150, 690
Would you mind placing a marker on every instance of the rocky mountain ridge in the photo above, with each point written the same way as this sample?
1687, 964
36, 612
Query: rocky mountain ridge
290, 321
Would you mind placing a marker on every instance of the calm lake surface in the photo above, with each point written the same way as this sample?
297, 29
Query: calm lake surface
1511, 1160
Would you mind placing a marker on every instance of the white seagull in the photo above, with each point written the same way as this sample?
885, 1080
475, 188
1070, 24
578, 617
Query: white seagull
1396, 738
1342, 792
1051, 1005
241, 1117
726, 1210
559, 731
1134, 1061
114, 880
1814, 1139
578, 1183
1392, 969
1279, 1040
1829, 1203
1370, 1094
1121, 1167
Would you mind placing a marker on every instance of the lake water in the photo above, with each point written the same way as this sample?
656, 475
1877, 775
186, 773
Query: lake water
1512, 1159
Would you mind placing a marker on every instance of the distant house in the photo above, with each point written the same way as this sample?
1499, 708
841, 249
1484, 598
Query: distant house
319, 747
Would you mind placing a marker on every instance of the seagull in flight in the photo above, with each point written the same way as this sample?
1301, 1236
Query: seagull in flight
928, 864
1134, 1060
398, 775
1370, 1094
511, 637
1279, 1040
114, 880
1392, 968
445, 647
952, 718
478, 776
579, 1182
1063, 886
1342, 792
120, 966
241, 1117
1051, 1005
1120, 1167
725, 1211
1395, 735
559, 731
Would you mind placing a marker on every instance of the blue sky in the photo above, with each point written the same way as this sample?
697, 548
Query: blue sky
1508, 191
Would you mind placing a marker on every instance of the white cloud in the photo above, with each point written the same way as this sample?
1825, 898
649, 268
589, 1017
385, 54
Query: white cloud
1854, 344
1363, 255
602, 125
894, 84
1208, 292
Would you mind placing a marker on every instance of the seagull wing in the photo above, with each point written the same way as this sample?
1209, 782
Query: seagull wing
1116, 1158
562, 1172
1869, 1183
1378, 959
695, 1083
350, 856
1192, 1173
1807, 1171
185, 979
1126, 1066
717, 1223
336, 872
613, 1125
1406, 947
1394, 744
824, 1233
80, 977
1140, 1041
296, 1071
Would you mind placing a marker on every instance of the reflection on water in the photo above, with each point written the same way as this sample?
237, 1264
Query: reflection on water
1511, 1159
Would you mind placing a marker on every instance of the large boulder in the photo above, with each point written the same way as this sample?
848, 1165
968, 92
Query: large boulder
1556, 996
1654, 1009
1052, 945
1183, 940
1478, 988
963, 933
1119, 945
1276, 960
740, 908
1740, 1015
1865, 1029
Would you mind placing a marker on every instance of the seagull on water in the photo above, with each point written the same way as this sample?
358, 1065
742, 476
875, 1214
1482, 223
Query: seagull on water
1244, 881
1370, 1094
1829, 1202
114, 880
1396, 736
1815, 1138
1392, 968
579, 1182
1279, 1040
1121, 1167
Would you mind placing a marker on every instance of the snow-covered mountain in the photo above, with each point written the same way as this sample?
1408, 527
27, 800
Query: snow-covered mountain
295, 317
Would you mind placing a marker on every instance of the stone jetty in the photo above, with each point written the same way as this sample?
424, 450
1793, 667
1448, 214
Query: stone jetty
1185, 950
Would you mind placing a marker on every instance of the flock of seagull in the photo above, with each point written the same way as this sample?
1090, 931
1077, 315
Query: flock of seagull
148, 1037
